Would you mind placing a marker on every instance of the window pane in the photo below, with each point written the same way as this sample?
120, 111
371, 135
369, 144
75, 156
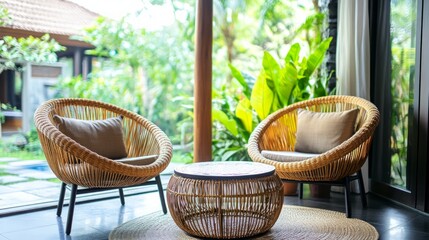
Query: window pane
403, 32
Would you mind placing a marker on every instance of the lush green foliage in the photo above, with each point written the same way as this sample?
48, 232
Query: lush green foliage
403, 61
3, 106
22, 146
4, 16
30, 49
151, 71
276, 87
279, 26
13, 50
143, 71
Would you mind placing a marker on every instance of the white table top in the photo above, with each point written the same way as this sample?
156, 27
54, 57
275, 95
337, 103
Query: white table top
225, 170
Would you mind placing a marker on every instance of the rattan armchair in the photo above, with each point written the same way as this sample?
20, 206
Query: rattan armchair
339, 165
85, 171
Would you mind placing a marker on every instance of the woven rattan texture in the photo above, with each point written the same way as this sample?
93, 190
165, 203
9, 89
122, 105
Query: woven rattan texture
277, 132
225, 208
74, 164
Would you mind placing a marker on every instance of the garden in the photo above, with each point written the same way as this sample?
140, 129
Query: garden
260, 50
266, 55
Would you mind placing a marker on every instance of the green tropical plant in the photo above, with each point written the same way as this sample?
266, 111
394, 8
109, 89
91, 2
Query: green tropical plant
4, 16
3, 106
30, 49
230, 134
275, 87
403, 20
140, 69
137, 55
402, 98
118, 94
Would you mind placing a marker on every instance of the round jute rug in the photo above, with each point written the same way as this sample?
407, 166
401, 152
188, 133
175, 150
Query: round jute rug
294, 222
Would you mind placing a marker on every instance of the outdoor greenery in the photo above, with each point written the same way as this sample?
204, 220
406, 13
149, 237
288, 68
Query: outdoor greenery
4, 16
239, 105
31, 49
403, 23
13, 51
143, 71
275, 87
3, 106
149, 69
22, 145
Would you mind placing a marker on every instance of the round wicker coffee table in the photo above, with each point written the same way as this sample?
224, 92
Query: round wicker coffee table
225, 199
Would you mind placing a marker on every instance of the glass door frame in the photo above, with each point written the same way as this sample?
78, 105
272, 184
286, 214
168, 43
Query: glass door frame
422, 168
417, 172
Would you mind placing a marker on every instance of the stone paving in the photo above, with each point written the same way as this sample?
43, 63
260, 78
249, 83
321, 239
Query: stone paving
26, 182
11, 179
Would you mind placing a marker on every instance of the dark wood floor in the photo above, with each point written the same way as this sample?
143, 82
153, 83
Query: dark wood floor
95, 220
392, 221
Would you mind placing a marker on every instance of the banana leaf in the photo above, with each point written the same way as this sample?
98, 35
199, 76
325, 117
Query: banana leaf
229, 124
237, 75
244, 113
316, 58
262, 96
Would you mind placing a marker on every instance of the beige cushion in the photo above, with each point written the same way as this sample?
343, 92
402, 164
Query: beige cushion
285, 156
318, 132
104, 137
143, 160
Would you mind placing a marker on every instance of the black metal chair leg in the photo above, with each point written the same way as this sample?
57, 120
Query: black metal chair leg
71, 208
121, 196
362, 189
347, 197
61, 199
301, 190
161, 193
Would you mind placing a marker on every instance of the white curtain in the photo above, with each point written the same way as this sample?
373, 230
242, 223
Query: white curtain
353, 54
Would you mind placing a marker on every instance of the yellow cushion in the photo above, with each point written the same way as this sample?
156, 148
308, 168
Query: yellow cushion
318, 132
104, 137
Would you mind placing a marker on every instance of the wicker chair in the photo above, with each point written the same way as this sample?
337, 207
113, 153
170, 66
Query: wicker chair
86, 171
338, 166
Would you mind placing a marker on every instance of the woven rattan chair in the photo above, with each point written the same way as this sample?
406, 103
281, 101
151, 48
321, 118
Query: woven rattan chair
85, 171
338, 166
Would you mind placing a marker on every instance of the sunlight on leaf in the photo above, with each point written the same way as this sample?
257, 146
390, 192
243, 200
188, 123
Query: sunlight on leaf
287, 83
244, 113
293, 54
316, 58
237, 75
229, 124
262, 96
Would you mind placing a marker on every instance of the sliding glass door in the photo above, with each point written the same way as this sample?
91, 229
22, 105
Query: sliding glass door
396, 78
403, 60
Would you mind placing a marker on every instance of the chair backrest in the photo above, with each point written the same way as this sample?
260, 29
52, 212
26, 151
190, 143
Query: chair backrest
368, 118
141, 138
278, 133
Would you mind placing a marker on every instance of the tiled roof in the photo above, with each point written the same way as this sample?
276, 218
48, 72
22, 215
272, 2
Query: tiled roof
48, 16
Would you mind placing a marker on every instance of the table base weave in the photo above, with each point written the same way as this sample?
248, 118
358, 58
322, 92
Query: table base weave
225, 208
